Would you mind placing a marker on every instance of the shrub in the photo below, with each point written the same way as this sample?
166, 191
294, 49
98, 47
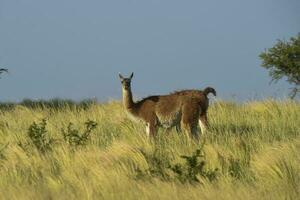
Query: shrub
73, 136
37, 133
194, 168
192, 171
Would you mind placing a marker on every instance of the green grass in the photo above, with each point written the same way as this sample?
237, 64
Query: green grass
250, 152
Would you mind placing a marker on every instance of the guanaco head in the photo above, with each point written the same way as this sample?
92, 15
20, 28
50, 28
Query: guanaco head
126, 82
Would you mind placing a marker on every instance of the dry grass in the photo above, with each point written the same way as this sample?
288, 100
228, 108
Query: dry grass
254, 145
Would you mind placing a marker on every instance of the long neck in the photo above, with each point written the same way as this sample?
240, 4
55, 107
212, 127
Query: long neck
127, 99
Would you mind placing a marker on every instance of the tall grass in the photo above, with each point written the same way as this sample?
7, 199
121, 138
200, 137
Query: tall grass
251, 151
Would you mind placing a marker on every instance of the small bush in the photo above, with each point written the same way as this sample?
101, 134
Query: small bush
38, 135
192, 171
194, 168
73, 136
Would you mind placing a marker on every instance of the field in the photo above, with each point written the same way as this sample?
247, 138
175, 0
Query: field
250, 152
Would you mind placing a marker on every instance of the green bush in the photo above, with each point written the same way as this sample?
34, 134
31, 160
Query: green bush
193, 170
73, 136
38, 135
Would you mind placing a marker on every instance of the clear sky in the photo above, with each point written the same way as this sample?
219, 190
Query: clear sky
75, 49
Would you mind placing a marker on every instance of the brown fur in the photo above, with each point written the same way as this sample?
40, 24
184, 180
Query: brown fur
203, 103
180, 109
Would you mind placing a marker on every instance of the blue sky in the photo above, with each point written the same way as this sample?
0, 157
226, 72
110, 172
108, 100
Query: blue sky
75, 49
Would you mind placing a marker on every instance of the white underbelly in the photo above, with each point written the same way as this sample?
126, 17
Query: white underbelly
171, 120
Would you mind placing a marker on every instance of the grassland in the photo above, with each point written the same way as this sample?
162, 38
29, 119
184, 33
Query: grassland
252, 151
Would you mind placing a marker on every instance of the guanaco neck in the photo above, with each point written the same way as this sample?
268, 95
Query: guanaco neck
127, 99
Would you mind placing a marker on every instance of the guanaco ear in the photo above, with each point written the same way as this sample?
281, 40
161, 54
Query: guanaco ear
121, 77
131, 75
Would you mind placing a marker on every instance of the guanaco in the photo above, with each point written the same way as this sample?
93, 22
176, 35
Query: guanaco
184, 109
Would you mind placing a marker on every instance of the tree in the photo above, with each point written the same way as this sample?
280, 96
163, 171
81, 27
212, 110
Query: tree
3, 70
283, 60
